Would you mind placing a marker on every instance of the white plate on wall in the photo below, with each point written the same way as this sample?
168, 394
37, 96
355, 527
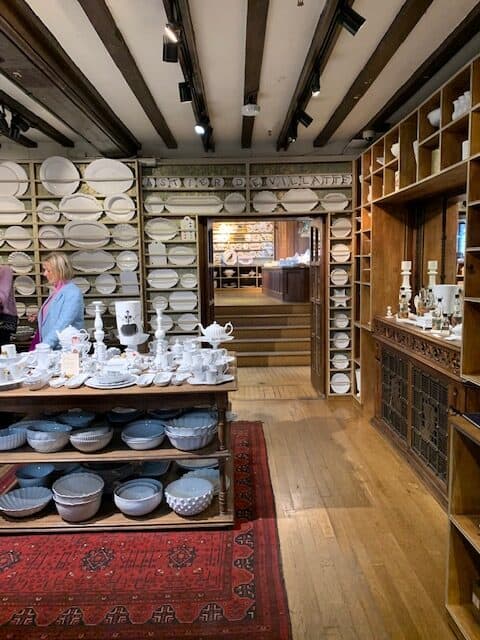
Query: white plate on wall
127, 261
341, 340
12, 210
86, 235
119, 207
235, 203
157, 253
341, 227
13, 179
187, 322
125, 235
48, 211
154, 203
92, 261
162, 278
239, 182
340, 252
20, 262
50, 237
21, 309
167, 322
340, 361
340, 383
161, 229
189, 280
160, 302
105, 283
80, 206
25, 285
90, 308
334, 201
206, 204
264, 201
183, 300
108, 177
182, 256
341, 320
18, 237
339, 276
82, 283
299, 200
59, 176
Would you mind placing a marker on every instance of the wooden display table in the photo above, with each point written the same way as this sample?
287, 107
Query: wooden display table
33, 403
289, 284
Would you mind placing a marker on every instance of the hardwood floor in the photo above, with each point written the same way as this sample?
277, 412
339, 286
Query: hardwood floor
363, 542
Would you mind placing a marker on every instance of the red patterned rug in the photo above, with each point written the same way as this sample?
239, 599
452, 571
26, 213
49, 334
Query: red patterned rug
200, 585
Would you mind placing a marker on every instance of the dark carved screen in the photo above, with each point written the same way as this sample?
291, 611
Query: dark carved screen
395, 393
429, 421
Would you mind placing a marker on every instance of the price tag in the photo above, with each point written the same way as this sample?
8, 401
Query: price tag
70, 364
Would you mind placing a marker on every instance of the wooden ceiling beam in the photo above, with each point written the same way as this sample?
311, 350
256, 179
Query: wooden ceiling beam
34, 121
254, 45
455, 41
21, 140
104, 24
405, 21
323, 41
33, 60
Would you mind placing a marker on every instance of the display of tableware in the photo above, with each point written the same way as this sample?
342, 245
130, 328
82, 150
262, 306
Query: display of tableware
125, 235
340, 383
18, 237
129, 322
162, 278
188, 280
77, 487
264, 201
341, 340
198, 463
78, 511
82, 283
105, 283
20, 262
187, 322
81, 207
188, 203
181, 255
12, 437
108, 176
154, 203
92, 261
144, 434
447, 293
167, 323
216, 333
86, 235
334, 201
192, 422
191, 441
13, 179
340, 361
48, 437
77, 418
24, 502
48, 211
24, 285
229, 257
127, 260
87, 442
189, 496
340, 298
340, 252
99, 383
160, 302
21, 309
12, 210
183, 300
299, 200
434, 117
161, 229
138, 497
235, 203
341, 227
339, 276
119, 207
36, 474
50, 237
214, 380
340, 320
157, 253
59, 176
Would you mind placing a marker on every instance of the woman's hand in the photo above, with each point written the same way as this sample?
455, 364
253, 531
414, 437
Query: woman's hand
32, 317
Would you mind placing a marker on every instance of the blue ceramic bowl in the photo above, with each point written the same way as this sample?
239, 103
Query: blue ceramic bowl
35, 474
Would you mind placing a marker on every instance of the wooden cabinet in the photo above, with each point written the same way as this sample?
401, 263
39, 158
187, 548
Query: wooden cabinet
289, 284
220, 512
463, 563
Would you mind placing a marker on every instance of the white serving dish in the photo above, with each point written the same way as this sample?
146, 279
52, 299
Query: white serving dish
264, 201
80, 206
25, 501
182, 255
18, 237
191, 203
12, 437
212, 475
340, 361
299, 200
78, 511
20, 262
59, 176
339, 276
189, 496
235, 203
434, 117
161, 229
13, 179
138, 497
91, 442
108, 176
125, 235
119, 207
341, 340
127, 261
341, 227
86, 235
48, 211
340, 383
78, 487
191, 442
334, 201
92, 261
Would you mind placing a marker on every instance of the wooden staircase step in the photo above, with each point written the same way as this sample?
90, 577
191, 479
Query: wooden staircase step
253, 310
266, 320
271, 345
269, 331
278, 359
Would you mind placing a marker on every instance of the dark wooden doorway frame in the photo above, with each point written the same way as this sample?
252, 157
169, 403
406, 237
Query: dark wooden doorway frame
318, 304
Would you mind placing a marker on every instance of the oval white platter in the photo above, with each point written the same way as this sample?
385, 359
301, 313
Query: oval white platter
119, 207
86, 235
334, 201
59, 176
105, 283
48, 211
18, 237
340, 383
207, 204
25, 285
108, 177
339, 276
50, 237
92, 261
161, 229
182, 256
264, 201
12, 210
154, 203
183, 300
235, 202
188, 280
13, 179
127, 261
82, 283
187, 322
162, 278
125, 235
299, 200
341, 227
20, 262
81, 206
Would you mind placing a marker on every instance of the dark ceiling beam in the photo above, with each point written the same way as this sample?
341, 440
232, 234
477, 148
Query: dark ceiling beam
323, 41
455, 41
254, 45
34, 121
104, 24
403, 24
178, 13
21, 140
33, 60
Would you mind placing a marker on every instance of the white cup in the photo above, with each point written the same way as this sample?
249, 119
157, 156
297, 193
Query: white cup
211, 375
221, 369
465, 149
198, 373
42, 352
9, 350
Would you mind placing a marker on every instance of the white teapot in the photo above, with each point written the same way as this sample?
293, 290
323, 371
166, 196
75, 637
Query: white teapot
216, 332
66, 335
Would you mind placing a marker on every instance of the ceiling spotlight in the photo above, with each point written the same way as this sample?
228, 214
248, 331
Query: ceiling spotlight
170, 50
350, 19
185, 91
304, 118
200, 128
172, 32
316, 84
293, 131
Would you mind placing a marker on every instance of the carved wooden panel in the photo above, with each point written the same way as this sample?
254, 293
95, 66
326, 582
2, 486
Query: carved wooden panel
394, 390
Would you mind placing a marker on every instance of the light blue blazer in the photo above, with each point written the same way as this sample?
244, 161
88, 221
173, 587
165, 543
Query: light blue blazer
66, 308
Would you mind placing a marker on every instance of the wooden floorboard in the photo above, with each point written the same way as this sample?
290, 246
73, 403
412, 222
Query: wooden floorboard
363, 541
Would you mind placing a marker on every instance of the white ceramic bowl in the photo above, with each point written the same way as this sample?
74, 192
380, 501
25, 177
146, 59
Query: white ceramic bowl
12, 437
138, 497
48, 441
434, 117
24, 502
192, 442
144, 434
77, 418
36, 474
76, 488
78, 512
189, 496
46, 430
193, 420
94, 442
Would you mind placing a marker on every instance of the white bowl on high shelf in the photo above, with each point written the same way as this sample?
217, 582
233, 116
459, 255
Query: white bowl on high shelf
434, 117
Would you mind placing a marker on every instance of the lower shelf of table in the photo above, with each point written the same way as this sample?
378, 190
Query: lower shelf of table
463, 621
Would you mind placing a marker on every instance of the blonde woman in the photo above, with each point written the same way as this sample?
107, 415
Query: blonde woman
64, 305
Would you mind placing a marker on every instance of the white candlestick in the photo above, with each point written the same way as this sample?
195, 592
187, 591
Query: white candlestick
432, 273
100, 350
406, 267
